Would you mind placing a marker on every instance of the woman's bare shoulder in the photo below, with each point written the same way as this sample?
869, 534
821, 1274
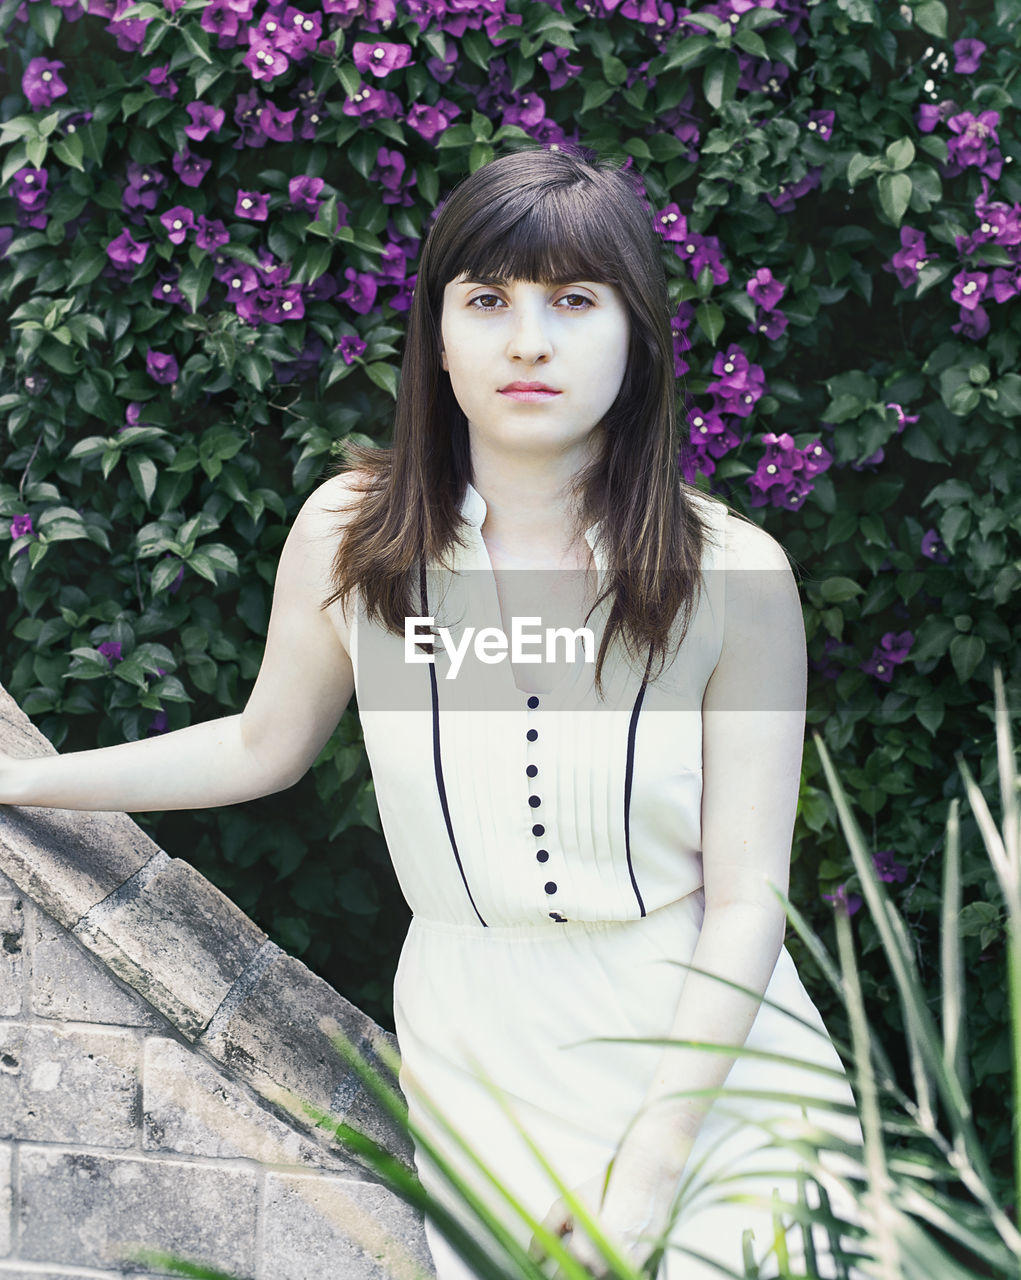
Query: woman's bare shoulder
750, 547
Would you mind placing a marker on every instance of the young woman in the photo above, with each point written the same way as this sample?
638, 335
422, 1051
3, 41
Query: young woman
589, 843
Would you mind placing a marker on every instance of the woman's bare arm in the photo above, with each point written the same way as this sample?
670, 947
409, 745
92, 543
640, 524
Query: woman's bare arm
753, 731
304, 683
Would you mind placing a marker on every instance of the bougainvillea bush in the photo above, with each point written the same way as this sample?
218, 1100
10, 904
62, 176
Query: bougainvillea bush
210, 214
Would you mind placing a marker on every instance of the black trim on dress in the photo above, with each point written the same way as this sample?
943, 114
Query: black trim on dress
629, 770
437, 755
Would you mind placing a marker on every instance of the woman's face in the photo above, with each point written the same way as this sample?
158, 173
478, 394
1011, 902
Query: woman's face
534, 367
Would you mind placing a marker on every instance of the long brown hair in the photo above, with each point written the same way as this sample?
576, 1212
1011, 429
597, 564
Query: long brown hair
548, 217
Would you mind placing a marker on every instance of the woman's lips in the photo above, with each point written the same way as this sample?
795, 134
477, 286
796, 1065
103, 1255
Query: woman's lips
529, 391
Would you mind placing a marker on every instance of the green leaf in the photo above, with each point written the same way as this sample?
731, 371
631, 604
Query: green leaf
836, 590
1008, 396
931, 16
688, 51
349, 77
194, 282
966, 652
596, 93
70, 150
900, 154
751, 43
930, 710
197, 41
143, 474
480, 154
710, 320
384, 376
894, 195
719, 81
164, 573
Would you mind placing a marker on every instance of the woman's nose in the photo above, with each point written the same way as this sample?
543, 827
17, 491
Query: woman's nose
531, 336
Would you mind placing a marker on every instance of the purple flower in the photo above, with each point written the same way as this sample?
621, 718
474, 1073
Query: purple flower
373, 104
700, 252
252, 205
710, 433
887, 868
739, 383
967, 56
892, 650
265, 61
161, 366
786, 196
821, 124
849, 903
210, 234
1005, 283
932, 547
165, 289
389, 173
671, 224
125, 252
557, 67
21, 527
223, 19
239, 279
300, 33
770, 324
912, 254
526, 111
381, 58
969, 288
276, 124
190, 168
973, 324
159, 80
177, 222
111, 650
902, 418
350, 347
931, 114
304, 191
785, 473
29, 189
143, 186
128, 32
430, 121
158, 724
975, 144
360, 294
41, 83
205, 119
764, 289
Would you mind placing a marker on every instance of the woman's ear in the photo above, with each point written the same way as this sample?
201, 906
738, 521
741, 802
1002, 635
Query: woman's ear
443, 359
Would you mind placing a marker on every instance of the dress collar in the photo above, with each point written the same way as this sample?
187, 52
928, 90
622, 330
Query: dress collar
473, 510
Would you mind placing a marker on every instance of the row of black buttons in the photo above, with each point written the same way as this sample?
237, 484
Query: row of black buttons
542, 855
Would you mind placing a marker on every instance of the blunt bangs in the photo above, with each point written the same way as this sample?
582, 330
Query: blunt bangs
570, 222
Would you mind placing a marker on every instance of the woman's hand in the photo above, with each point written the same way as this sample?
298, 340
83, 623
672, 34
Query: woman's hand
633, 1214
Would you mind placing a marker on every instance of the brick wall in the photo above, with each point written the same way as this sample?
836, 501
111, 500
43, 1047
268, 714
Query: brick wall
151, 1038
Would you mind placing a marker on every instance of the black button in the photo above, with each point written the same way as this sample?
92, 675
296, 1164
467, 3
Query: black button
550, 887
543, 855
532, 734
538, 829
532, 770
534, 801
533, 701
555, 915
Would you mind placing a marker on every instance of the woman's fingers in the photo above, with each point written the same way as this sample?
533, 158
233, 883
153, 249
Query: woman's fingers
556, 1221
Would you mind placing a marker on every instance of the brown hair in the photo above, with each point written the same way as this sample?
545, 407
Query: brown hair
548, 217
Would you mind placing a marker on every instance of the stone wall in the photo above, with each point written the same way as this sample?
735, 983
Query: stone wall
153, 1042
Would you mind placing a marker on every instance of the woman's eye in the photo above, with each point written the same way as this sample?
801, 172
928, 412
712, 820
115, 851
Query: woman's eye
577, 301
485, 301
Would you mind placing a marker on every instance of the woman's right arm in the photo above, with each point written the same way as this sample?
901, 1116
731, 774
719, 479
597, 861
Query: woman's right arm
304, 683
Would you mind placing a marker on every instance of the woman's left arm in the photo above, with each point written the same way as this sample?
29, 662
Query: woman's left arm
753, 730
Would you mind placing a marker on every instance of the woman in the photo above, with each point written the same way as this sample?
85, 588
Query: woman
572, 834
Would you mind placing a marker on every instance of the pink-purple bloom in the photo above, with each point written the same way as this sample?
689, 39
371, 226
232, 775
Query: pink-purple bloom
785, 474
190, 168
205, 119
843, 901
967, 56
739, 384
763, 289
821, 124
126, 252
41, 83
909, 258
888, 868
111, 650
933, 547
380, 58
304, 191
975, 143
350, 347
969, 288
161, 366
430, 121
21, 527
177, 222
252, 205
891, 651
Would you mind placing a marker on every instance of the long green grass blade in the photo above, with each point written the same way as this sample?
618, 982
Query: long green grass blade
951, 961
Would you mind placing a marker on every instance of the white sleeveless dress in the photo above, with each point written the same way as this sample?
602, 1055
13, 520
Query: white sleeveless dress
549, 848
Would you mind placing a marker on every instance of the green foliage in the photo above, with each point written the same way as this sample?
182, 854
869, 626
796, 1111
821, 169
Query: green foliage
158, 509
